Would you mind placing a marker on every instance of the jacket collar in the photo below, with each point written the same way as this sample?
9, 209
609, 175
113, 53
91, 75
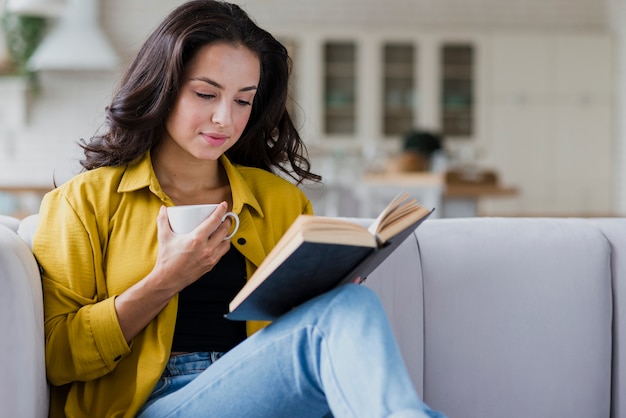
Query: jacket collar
242, 195
140, 174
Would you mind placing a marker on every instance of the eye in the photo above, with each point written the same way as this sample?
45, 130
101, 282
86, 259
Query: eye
205, 95
243, 102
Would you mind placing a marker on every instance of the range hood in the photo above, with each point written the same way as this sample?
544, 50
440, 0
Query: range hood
75, 42
48, 8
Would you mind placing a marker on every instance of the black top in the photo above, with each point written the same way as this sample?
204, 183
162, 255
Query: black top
200, 324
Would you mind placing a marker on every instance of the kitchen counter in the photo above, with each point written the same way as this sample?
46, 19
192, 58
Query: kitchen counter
451, 200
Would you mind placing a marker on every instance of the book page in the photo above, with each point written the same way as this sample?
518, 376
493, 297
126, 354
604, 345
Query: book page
400, 213
376, 226
398, 224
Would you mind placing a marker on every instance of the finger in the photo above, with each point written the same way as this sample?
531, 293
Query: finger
163, 223
215, 249
222, 230
211, 224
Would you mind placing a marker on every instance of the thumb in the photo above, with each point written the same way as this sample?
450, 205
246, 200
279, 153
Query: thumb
163, 223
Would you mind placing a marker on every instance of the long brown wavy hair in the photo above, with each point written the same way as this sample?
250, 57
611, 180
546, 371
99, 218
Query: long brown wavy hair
136, 116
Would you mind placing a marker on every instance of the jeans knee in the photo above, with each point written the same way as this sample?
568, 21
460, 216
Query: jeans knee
357, 297
342, 306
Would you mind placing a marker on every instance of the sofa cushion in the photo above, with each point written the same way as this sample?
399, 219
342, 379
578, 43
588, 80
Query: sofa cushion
517, 318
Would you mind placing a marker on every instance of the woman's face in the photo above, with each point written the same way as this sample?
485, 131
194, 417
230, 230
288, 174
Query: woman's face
215, 100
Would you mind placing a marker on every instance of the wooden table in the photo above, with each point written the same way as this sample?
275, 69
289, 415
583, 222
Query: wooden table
461, 200
26, 189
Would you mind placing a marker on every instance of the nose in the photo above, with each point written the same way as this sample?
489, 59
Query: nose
222, 113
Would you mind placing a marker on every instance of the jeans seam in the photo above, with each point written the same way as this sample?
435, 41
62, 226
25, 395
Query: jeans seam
331, 366
328, 309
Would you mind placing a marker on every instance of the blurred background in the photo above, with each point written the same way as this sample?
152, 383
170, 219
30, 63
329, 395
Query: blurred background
476, 107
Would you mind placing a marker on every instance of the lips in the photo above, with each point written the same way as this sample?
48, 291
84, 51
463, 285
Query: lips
215, 139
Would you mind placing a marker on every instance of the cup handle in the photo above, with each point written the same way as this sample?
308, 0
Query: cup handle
235, 219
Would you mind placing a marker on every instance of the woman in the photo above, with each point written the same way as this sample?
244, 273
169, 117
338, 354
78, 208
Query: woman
134, 312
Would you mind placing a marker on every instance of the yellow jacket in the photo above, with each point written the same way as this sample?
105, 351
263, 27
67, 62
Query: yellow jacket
97, 236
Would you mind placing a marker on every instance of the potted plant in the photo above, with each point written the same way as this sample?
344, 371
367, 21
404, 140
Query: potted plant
22, 36
417, 150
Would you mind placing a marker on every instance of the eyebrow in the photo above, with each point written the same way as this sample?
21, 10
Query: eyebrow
219, 86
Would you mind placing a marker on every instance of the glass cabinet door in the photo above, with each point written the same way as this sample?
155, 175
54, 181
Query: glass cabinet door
292, 98
398, 88
457, 89
340, 88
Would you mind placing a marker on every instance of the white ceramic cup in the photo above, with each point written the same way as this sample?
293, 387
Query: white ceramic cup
185, 218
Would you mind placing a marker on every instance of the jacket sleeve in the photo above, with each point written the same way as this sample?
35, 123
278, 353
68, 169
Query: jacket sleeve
83, 338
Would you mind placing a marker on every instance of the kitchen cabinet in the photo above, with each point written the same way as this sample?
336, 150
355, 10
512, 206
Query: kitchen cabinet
359, 90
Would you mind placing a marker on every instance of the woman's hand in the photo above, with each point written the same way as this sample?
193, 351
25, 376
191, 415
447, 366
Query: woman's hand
184, 258
181, 260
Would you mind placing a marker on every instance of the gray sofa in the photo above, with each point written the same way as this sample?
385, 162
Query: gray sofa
495, 317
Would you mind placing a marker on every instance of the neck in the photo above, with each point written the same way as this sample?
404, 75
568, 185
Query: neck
187, 180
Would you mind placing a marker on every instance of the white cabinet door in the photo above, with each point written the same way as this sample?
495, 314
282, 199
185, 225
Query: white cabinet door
583, 123
583, 70
583, 167
550, 130
522, 157
519, 68
519, 120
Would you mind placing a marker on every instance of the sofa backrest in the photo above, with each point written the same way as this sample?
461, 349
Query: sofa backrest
517, 317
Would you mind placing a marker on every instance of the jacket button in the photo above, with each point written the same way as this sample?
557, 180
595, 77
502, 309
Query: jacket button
118, 358
241, 241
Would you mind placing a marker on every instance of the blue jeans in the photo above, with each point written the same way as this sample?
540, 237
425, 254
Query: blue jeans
334, 354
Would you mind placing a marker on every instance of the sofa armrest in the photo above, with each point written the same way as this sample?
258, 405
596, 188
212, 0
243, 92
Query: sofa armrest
23, 385
10, 222
27, 228
615, 231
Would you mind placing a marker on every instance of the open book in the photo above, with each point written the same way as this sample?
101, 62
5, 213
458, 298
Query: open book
319, 253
